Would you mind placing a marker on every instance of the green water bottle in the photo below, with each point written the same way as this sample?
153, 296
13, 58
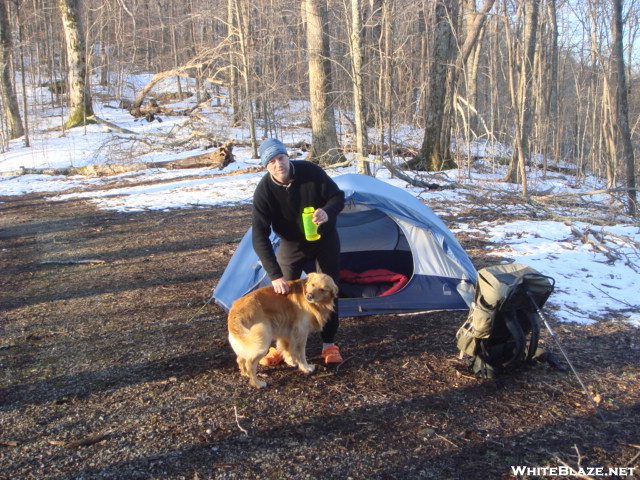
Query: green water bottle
310, 228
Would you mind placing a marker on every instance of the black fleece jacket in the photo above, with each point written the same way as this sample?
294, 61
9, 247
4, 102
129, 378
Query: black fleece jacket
280, 207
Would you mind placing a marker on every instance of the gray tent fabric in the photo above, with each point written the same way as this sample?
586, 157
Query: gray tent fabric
381, 227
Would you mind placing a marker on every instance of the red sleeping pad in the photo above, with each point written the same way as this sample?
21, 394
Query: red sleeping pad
375, 276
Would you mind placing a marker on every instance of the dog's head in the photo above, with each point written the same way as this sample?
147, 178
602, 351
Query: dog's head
320, 288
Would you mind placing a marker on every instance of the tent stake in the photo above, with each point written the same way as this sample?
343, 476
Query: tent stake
553, 335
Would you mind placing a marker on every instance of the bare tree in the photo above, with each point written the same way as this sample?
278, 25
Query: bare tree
466, 67
550, 97
521, 97
619, 86
362, 144
471, 71
324, 143
469, 55
81, 108
431, 156
243, 39
232, 85
7, 89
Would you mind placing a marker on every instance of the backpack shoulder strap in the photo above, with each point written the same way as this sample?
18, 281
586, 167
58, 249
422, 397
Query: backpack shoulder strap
535, 334
512, 324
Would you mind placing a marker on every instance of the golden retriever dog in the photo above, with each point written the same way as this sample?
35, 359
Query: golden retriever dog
263, 316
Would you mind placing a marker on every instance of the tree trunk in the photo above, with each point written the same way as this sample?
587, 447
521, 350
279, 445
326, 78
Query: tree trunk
431, 157
362, 142
471, 38
324, 140
468, 55
243, 33
603, 126
81, 108
386, 77
7, 89
619, 84
553, 82
236, 117
174, 50
473, 23
522, 100
25, 105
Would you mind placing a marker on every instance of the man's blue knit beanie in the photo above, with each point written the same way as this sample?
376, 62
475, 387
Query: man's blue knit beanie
269, 149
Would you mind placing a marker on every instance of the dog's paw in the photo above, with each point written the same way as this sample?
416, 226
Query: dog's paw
289, 361
259, 384
308, 369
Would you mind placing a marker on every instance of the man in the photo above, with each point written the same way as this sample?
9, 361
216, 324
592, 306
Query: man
278, 202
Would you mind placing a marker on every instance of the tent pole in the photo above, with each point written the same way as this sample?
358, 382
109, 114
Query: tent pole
553, 335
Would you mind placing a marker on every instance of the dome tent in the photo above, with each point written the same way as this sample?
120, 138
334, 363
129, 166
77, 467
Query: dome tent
382, 229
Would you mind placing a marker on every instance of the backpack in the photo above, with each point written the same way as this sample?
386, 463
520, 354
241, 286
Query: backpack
502, 329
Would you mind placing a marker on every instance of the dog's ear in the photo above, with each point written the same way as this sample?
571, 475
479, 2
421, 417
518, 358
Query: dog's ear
307, 282
308, 279
334, 289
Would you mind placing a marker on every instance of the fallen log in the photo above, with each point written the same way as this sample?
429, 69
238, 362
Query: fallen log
415, 181
219, 158
113, 126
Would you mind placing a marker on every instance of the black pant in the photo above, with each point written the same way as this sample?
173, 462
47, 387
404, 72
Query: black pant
294, 258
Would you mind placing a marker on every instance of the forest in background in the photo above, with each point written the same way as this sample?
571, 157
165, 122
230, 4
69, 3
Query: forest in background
553, 79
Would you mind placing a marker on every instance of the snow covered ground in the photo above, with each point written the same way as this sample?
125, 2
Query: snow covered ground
588, 285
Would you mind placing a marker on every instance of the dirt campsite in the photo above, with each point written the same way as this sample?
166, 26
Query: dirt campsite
115, 366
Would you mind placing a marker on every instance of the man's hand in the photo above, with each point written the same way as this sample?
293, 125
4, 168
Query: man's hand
320, 216
280, 286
